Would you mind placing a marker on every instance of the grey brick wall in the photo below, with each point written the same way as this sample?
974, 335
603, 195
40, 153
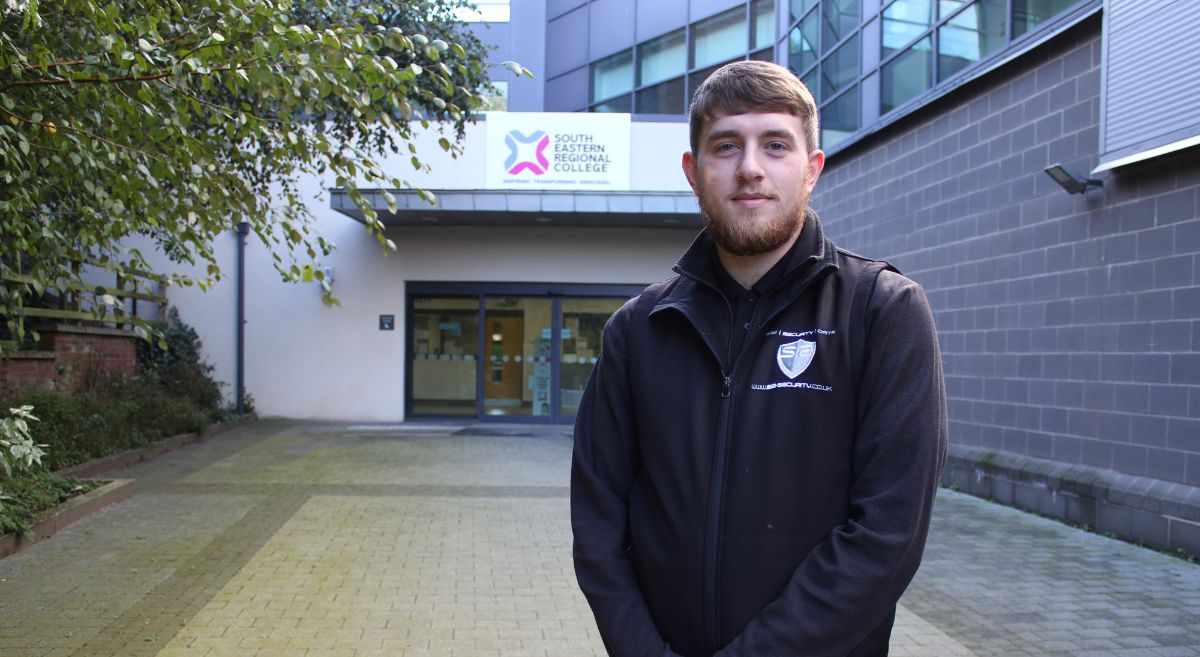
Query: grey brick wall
1070, 325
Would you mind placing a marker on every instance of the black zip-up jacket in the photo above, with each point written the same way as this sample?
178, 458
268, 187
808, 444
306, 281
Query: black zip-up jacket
776, 505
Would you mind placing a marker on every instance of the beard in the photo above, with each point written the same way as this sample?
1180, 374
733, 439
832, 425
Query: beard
749, 233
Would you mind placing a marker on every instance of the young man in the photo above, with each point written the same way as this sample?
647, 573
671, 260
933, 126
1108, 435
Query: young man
757, 450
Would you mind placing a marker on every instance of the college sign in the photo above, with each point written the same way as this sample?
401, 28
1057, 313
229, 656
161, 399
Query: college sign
566, 151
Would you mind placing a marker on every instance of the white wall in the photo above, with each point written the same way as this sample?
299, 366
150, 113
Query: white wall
304, 360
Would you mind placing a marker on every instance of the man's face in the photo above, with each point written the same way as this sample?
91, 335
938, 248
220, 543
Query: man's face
753, 174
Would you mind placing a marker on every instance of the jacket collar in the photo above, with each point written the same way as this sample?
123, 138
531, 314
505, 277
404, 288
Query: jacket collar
696, 295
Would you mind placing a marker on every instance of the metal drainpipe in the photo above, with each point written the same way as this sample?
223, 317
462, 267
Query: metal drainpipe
243, 229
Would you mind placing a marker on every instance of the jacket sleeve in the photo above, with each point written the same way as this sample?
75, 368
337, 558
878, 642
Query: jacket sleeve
603, 466
850, 582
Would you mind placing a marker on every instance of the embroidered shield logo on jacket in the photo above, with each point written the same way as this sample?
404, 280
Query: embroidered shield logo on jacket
794, 357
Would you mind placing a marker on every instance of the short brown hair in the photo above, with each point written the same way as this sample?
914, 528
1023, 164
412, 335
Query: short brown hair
753, 86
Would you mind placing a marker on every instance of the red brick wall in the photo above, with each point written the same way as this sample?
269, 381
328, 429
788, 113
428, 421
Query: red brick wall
24, 370
71, 360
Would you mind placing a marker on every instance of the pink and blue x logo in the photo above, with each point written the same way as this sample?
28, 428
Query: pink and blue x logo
538, 164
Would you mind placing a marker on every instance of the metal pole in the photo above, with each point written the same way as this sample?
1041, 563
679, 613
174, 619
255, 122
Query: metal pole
243, 229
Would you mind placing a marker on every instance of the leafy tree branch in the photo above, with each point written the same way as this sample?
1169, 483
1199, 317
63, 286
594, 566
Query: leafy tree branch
177, 121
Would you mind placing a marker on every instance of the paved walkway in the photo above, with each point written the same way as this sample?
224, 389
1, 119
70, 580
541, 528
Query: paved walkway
283, 539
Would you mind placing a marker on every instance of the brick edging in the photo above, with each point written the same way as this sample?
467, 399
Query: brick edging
1162, 514
112, 492
70, 512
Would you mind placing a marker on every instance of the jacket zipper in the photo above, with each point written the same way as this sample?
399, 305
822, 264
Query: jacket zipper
716, 502
716, 506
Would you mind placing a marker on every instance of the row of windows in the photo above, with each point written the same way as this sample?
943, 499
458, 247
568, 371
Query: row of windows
659, 75
921, 43
901, 50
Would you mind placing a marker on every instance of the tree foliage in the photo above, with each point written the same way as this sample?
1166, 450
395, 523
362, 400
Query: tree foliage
178, 120
18, 451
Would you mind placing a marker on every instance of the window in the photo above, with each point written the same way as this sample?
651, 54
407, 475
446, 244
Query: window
664, 98
840, 68
971, 35
764, 55
619, 104
824, 49
662, 58
904, 21
947, 7
612, 76
839, 19
1028, 14
839, 118
800, 8
802, 44
810, 81
483, 11
762, 20
720, 38
907, 76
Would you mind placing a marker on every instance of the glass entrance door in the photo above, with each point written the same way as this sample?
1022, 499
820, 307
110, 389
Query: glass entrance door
582, 329
518, 357
442, 356
516, 352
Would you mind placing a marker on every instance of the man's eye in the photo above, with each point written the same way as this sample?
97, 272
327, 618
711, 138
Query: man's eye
776, 146
726, 147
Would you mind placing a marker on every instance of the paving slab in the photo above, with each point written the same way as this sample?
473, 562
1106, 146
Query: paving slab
285, 538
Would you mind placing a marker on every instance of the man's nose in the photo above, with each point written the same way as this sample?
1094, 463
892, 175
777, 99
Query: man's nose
750, 165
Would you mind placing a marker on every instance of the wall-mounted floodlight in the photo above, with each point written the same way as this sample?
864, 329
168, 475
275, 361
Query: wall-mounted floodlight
1071, 181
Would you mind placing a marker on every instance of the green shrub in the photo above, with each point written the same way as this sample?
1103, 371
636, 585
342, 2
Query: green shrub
179, 368
192, 381
117, 415
31, 494
182, 346
28, 490
66, 421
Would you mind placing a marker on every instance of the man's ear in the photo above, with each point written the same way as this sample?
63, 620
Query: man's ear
689, 170
816, 164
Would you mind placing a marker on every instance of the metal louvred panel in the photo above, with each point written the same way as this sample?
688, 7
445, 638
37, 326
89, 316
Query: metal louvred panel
1151, 77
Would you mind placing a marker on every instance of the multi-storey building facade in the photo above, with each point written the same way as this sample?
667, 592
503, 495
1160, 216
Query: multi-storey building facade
1069, 323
